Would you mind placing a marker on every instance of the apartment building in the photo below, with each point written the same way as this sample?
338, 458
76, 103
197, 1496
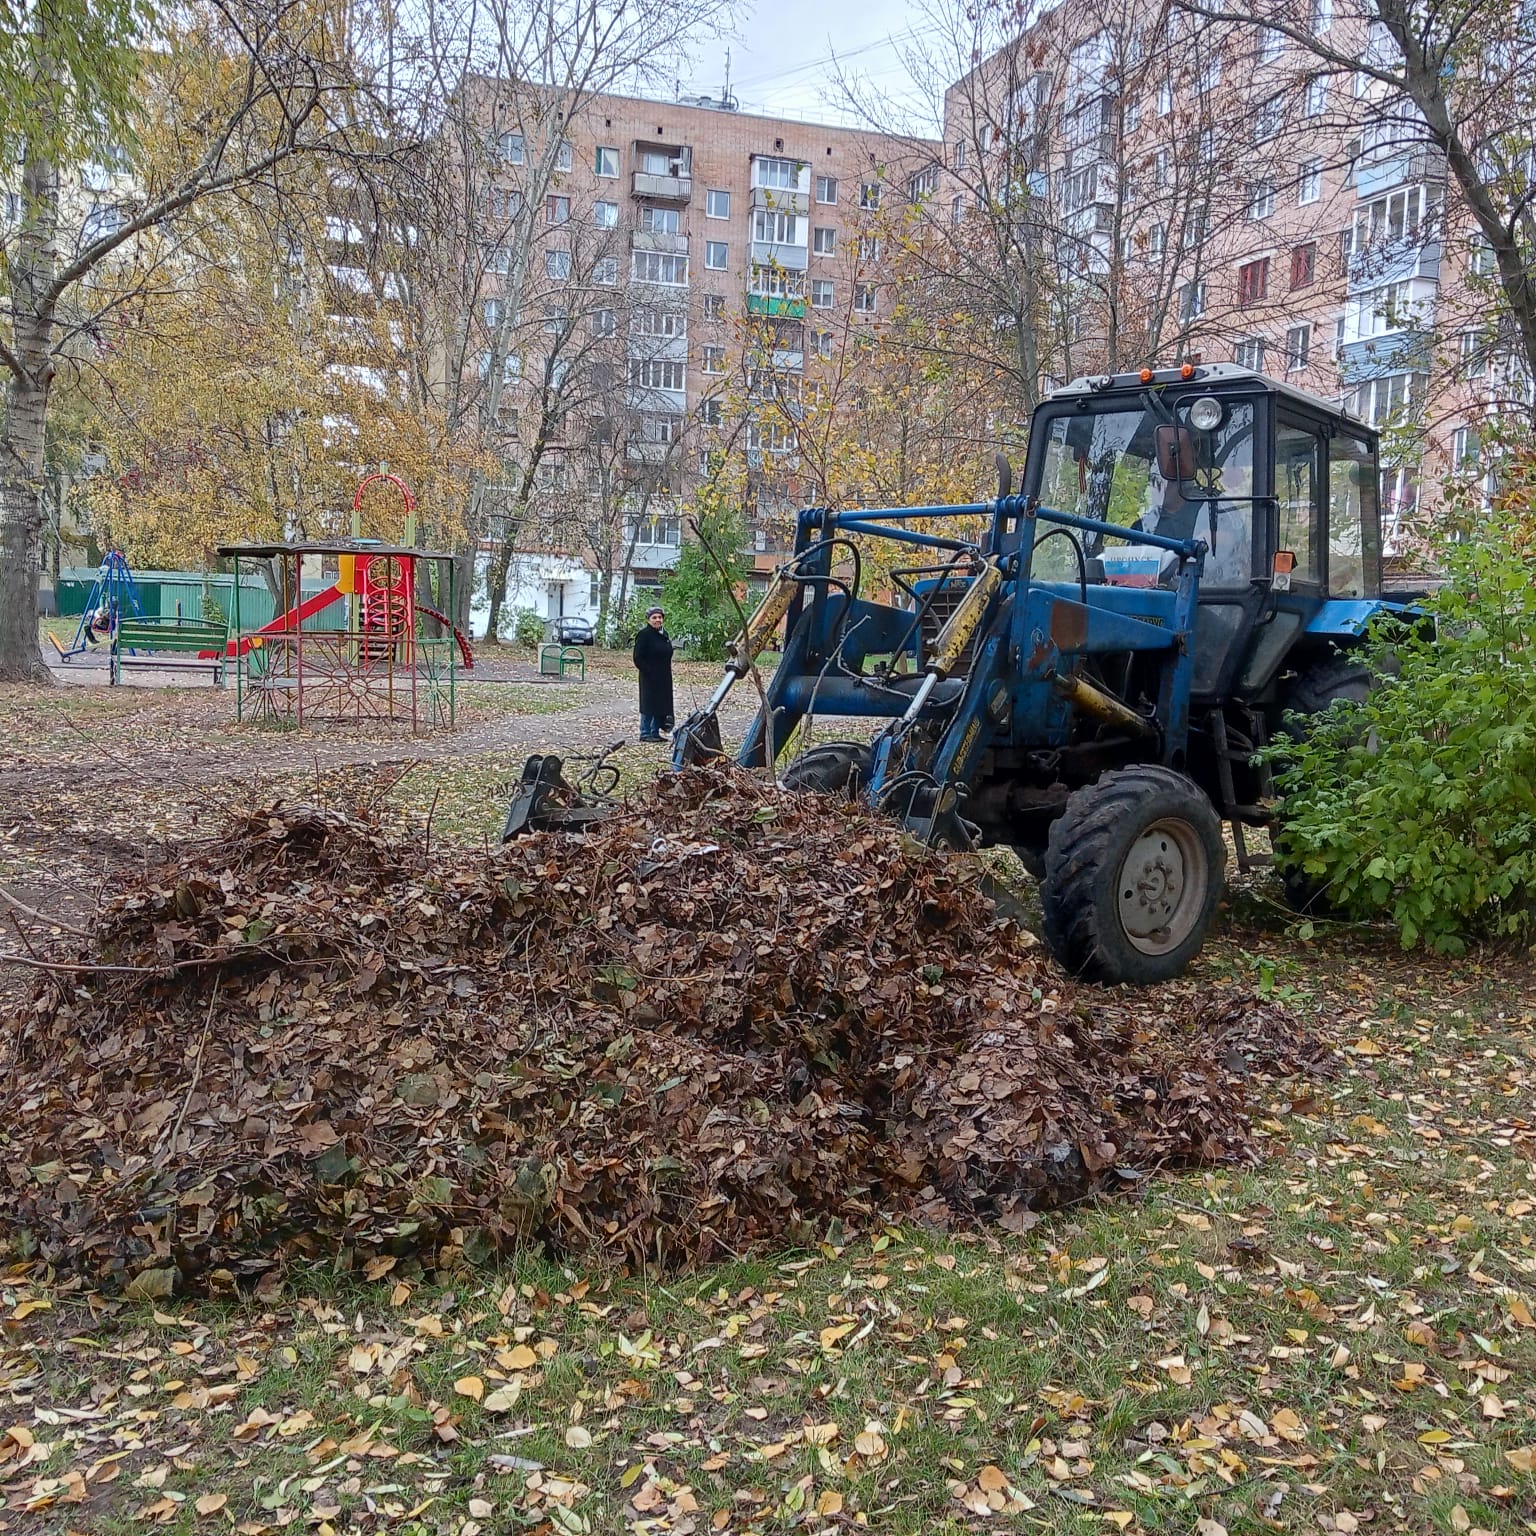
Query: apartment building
700, 259
1220, 195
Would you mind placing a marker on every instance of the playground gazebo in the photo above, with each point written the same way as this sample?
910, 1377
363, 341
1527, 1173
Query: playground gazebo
355, 638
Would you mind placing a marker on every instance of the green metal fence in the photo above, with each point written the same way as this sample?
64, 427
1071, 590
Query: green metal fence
169, 593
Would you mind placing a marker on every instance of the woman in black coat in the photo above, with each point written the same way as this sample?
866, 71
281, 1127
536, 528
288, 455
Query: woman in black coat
653, 661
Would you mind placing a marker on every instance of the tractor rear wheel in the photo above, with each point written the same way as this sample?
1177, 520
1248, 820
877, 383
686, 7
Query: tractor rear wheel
1133, 872
1311, 693
833, 768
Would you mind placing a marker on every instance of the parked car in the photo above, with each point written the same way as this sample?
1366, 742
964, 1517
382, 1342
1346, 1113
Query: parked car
570, 630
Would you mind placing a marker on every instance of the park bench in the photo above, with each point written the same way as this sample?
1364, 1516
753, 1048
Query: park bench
557, 660
180, 637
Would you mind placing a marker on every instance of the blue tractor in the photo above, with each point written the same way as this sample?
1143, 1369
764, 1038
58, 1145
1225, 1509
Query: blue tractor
1083, 670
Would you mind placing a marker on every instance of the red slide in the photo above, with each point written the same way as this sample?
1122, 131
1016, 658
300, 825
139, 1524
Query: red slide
283, 623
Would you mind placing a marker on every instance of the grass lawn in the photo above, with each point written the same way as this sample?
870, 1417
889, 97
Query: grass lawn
1341, 1339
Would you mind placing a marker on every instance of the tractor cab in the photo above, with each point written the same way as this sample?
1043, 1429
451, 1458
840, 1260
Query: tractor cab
1280, 487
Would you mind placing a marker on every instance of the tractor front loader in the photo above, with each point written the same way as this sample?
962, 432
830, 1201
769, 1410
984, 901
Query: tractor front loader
1084, 670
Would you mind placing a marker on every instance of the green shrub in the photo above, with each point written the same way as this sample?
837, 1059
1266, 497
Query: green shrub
702, 613
526, 628
1419, 805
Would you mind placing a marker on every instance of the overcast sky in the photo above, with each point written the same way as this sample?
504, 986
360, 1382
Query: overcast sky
786, 53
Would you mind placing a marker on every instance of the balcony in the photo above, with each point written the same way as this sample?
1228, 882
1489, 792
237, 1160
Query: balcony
1379, 356
639, 451
768, 253
647, 240
1405, 168
781, 200
1390, 261
768, 304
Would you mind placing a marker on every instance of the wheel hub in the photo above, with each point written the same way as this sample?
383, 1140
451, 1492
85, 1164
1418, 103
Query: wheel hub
1161, 887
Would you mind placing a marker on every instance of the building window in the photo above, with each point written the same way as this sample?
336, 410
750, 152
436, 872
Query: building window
1314, 100
1393, 218
709, 413
498, 259
505, 204
557, 210
1271, 44
557, 319
671, 324
659, 267
779, 175
1165, 98
1465, 447
1309, 182
717, 204
957, 210
1191, 301
1249, 354
957, 158
564, 160
1379, 402
1253, 282
605, 273
821, 293
714, 359
864, 298
1303, 264
510, 147
604, 323
774, 282
1266, 121
1381, 311
657, 528
493, 310
660, 221
1261, 200
826, 189
551, 474
657, 373
557, 266
714, 306
869, 196
605, 215
821, 343
824, 240
1298, 348
772, 228
1210, 74
606, 161
716, 255
869, 247
1321, 16
922, 183
1474, 354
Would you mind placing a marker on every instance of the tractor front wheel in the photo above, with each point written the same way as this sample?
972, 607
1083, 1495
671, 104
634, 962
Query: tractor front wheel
833, 768
1133, 872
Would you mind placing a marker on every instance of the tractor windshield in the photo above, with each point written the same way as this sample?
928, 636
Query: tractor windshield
1149, 468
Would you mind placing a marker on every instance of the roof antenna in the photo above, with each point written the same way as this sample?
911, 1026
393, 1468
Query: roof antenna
725, 95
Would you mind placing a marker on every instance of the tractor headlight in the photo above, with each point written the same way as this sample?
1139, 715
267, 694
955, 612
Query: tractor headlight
1205, 414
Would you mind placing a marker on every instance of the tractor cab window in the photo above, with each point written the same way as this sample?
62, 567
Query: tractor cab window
1354, 522
1297, 460
1151, 467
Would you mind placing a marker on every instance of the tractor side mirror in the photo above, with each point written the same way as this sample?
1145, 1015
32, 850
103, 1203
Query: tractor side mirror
1175, 453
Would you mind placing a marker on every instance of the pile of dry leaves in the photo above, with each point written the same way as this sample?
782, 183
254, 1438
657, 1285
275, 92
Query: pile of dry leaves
729, 1018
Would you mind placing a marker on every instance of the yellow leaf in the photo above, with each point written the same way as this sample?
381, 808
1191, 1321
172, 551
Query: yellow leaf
632, 1475
470, 1386
1522, 1459
27, 1308
820, 1434
869, 1444
830, 1503
992, 1479
1365, 1046
361, 1359
578, 1438
211, 1503
21, 1435
519, 1358
1119, 1518
830, 1336
1521, 1312
502, 1398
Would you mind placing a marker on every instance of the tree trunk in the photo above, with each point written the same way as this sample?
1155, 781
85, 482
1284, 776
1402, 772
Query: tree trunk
23, 437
